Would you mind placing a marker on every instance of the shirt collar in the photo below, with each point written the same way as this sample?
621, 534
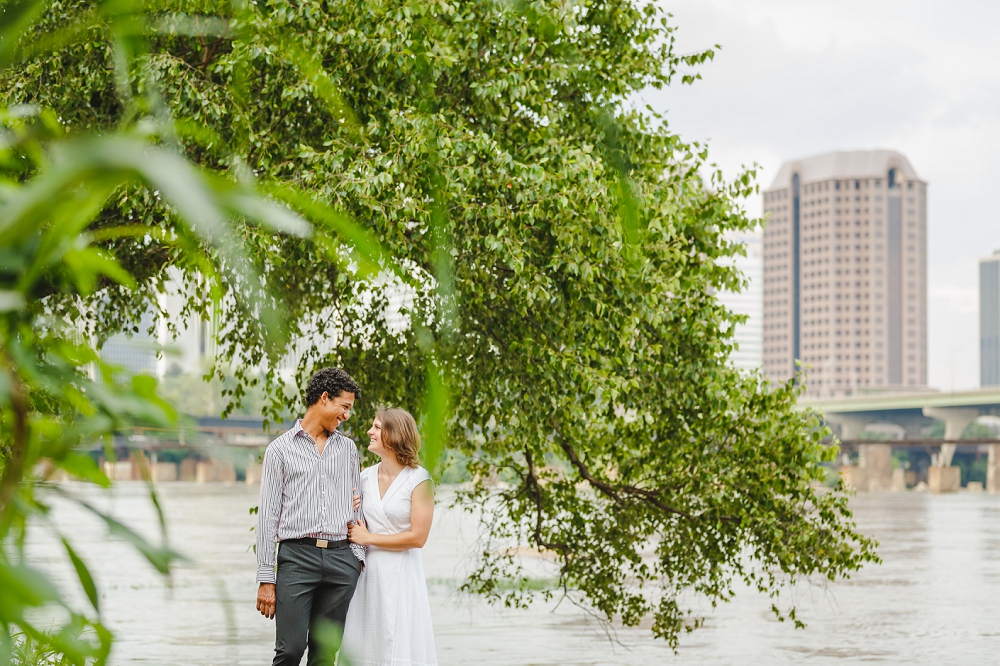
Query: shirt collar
298, 430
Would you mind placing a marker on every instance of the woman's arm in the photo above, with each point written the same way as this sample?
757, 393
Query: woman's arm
421, 516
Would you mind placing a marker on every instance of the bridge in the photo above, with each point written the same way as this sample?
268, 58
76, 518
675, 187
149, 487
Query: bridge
911, 415
205, 432
201, 449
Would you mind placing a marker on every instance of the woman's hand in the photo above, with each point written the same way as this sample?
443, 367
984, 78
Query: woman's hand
358, 533
355, 498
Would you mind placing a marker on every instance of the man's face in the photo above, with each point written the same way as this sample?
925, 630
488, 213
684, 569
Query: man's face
335, 411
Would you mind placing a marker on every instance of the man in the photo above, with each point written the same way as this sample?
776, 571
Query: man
309, 476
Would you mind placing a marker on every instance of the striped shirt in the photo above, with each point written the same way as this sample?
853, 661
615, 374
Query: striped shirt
305, 494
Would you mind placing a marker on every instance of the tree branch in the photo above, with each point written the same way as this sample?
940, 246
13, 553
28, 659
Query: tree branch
531, 484
606, 488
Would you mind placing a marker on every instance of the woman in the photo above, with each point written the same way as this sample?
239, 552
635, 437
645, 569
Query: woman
389, 620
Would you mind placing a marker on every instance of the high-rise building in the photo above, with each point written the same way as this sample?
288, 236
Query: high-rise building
749, 302
989, 320
186, 346
845, 273
134, 353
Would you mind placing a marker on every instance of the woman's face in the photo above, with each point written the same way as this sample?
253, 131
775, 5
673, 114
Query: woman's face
375, 438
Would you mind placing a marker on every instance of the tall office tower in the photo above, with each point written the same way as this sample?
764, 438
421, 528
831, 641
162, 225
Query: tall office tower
134, 353
989, 320
845, 273
749, 302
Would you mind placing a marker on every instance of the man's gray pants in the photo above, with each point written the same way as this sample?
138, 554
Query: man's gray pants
312, 584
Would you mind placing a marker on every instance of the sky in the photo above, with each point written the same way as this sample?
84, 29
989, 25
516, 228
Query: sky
794, 79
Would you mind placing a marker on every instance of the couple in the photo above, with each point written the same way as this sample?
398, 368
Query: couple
348, 542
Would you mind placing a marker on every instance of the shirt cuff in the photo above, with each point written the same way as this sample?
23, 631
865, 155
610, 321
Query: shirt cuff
359, 552
265, 573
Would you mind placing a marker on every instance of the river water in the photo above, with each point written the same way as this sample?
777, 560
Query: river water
935, 599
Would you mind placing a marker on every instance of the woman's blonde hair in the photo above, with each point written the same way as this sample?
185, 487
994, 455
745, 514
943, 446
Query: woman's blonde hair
399, 435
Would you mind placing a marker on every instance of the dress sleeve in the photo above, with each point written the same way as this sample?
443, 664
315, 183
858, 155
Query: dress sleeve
419, 476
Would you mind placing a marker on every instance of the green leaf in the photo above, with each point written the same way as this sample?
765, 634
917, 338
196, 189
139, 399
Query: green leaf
84, 468
22, 586
434, 418
15, 17
83, 574
322, 85
368, 248
329, 637
160, 557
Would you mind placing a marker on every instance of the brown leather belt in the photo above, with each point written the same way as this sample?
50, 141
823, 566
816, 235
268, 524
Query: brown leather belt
319, 543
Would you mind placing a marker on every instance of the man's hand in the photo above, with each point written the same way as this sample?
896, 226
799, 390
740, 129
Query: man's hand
266, 600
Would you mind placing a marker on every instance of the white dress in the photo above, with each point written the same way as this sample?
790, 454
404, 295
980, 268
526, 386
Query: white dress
389, 620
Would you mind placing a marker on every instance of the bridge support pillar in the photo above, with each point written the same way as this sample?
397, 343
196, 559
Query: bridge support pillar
163, 471
120, 470
215, 471
851, 426
956, 420
944, 479
876, 461
874, 469
898, 480
941, 476
254, 470
188, 469
993, 469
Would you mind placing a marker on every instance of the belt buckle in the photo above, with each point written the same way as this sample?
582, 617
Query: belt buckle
321, 543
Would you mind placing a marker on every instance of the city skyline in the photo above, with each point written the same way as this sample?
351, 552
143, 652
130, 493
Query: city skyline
808, 78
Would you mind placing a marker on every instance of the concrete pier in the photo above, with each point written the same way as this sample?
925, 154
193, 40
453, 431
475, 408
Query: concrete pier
215, 471
993, 469
163, 471
118, 471
941, 476
188, 468
854, 477
898, 480
876, 460
944, 479
253, 473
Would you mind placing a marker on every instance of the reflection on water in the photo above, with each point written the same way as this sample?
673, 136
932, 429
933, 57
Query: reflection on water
936, 598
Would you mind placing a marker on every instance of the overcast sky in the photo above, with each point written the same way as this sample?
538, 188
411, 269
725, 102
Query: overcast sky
795, 79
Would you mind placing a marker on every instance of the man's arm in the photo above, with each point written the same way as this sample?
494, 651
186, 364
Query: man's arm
272, 483
359, 513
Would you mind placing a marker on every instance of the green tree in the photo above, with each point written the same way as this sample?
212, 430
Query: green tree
557, 254
57, 396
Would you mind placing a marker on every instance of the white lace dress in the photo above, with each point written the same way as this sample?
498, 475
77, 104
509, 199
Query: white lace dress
389, 620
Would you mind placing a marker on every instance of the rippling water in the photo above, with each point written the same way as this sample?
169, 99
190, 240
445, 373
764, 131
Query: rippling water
936, 598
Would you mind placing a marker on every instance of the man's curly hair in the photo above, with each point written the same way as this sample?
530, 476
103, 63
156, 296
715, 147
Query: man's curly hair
333, 382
